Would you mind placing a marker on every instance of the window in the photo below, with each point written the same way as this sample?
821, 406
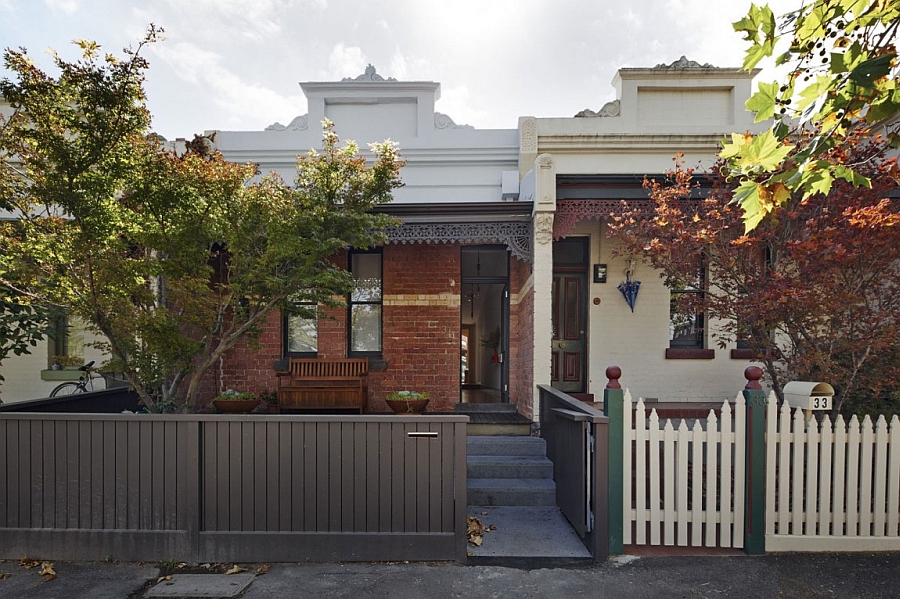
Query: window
365, 304
687, 320
65, 341
301, 331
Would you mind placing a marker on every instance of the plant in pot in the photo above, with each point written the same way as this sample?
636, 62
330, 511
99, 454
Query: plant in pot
407, 402
235, 402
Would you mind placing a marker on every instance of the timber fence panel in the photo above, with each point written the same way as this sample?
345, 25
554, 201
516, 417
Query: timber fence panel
840, 479
272, 488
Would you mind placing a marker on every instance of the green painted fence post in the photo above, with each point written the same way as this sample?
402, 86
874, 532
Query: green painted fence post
755, 473
613, 399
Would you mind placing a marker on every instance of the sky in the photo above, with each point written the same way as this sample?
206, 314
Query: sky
237, 64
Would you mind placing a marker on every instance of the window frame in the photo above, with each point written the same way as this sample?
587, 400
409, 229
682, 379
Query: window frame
351, 353
697, 349
285, 333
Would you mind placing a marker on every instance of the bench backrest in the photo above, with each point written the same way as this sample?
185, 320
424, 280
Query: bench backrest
317, 368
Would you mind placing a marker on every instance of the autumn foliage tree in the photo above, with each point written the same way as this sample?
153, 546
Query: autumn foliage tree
172, 258
841, 84
813, 291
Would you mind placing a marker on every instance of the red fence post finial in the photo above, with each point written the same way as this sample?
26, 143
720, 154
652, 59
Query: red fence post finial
753, 374
613, 373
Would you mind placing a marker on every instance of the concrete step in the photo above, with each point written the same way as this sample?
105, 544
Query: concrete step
505, 445
475, 408
511, 491
486, 466
476, 429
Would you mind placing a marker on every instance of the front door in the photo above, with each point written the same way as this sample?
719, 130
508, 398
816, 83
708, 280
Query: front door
568, 370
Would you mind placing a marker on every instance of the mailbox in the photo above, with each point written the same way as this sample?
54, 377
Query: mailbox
808, 395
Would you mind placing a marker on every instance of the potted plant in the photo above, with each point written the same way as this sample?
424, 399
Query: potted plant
235, 402
407, 402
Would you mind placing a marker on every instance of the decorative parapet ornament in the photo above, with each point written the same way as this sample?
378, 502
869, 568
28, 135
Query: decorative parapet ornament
299, 123
442, 121
515, 235
368, 75
684, 63
609, 109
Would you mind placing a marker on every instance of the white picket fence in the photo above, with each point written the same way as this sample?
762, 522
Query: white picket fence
831, 486
688, 484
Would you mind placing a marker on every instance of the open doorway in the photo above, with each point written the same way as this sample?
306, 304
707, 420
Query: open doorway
484, 324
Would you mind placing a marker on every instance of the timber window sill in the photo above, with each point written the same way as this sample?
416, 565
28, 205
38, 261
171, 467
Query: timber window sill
689, 353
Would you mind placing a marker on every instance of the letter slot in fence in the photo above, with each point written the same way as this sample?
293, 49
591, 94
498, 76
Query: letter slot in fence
423, 434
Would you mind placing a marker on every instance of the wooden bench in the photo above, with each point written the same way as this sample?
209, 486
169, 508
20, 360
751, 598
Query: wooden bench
317, 384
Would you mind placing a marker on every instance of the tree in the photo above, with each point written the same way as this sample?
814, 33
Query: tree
813, 290
174, 259
842, 85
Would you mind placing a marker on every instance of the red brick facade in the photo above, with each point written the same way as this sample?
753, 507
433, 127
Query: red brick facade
420, 332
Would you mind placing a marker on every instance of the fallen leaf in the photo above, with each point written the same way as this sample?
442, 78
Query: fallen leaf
476, 540
235, 570
492, 527
162, 578
28, 563
4, 575
469, 554
47, 569
263, 569
49, 577
484, 513
207, 566
181, 565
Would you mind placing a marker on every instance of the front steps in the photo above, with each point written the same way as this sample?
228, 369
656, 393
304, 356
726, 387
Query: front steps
494, 419
509, 471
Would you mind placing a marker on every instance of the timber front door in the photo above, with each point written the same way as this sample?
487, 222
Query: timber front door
567, 370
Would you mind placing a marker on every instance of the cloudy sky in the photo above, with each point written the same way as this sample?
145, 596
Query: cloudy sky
236, 64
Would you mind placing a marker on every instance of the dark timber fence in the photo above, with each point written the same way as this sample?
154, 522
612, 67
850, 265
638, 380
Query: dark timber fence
107, 401
577, 440
212, 488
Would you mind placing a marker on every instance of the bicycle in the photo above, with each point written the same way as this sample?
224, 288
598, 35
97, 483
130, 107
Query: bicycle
85, 383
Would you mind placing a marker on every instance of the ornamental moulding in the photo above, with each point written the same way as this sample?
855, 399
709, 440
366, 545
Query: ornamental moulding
442, 121
514, 235
684, 63
300, 123
570, 212
609, 109
368, 75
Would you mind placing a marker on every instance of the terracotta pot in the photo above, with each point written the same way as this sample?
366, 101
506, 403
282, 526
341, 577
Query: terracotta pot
235, 406
407, 406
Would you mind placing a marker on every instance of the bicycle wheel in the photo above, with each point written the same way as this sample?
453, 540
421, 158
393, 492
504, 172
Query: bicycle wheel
69, 388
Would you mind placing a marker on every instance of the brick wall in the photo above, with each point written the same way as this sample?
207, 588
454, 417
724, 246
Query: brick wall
421, 325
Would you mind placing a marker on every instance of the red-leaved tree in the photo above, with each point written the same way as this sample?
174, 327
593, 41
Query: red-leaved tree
813, 291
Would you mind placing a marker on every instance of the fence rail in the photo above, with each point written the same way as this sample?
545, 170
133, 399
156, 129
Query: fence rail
688, 481
831, 486
241, 488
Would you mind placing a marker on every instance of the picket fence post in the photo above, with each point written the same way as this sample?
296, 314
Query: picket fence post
755, 472
613, 408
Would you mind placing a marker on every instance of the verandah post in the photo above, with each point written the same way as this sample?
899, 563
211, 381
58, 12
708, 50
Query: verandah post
755, 473
613, 400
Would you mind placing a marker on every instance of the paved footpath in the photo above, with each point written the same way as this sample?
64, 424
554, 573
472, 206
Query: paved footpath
793, 576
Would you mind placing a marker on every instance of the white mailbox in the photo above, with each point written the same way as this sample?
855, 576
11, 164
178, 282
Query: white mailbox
808, 395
